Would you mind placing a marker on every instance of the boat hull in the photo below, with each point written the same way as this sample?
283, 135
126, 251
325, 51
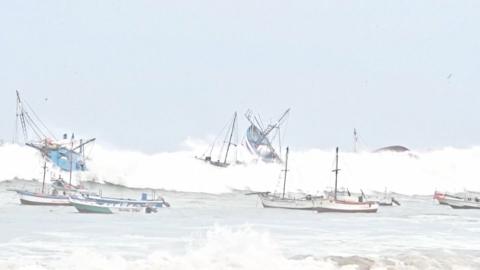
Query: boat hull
463, 204
92, 207
286, 203
330, 205
30, 198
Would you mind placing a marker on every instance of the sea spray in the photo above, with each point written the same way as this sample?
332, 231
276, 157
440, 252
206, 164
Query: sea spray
419, 172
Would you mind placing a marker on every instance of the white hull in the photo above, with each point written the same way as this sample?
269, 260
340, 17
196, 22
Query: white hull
331, 205
28, 198
84, 206
462, 204
295, 204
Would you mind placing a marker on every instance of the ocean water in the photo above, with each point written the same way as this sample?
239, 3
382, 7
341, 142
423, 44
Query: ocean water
212, 224
233, 231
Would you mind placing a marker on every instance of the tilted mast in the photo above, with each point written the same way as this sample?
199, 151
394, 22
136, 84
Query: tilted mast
231, 136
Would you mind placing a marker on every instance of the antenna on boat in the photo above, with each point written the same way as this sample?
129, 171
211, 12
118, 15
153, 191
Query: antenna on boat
336, 173
285, 174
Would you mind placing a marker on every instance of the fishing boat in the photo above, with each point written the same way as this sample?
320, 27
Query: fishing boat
57, 194
66, 154
270, 200
156, 201
444, 198
109, 205
388, 200
95, 207
259, 138
336, 204
469, 200
222, 160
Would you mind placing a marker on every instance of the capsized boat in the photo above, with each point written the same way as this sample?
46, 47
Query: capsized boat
336, 204
96, 207
259, 138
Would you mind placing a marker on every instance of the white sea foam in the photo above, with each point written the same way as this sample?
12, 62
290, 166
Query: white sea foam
232, 248
310, 170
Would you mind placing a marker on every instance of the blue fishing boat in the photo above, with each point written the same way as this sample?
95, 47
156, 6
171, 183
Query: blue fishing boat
68, 154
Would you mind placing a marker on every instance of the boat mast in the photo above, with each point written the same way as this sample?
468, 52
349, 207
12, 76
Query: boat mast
44, 173
285, 174
336, 174
355, 140
71, 160
230, 139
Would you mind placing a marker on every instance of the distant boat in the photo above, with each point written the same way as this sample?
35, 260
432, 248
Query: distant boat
67, 154
391, 148
335, 204
222, 160
259, 138
270, 200
470, 200
388, 200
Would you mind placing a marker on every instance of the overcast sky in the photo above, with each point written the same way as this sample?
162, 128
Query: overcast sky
146, 75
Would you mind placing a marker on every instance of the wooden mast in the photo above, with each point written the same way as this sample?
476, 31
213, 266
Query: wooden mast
285, 175
336, 174
230, 139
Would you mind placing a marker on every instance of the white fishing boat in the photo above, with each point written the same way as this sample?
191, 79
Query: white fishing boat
445, 198
56, 194
34, 198
275, 201
156, 201
272, 200
95, 207
388, 200
469, 200
336, 204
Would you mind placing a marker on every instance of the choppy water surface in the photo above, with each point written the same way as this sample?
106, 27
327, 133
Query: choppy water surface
232, 231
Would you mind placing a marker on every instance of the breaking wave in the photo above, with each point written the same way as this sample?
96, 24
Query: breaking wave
229, 248
309, 170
